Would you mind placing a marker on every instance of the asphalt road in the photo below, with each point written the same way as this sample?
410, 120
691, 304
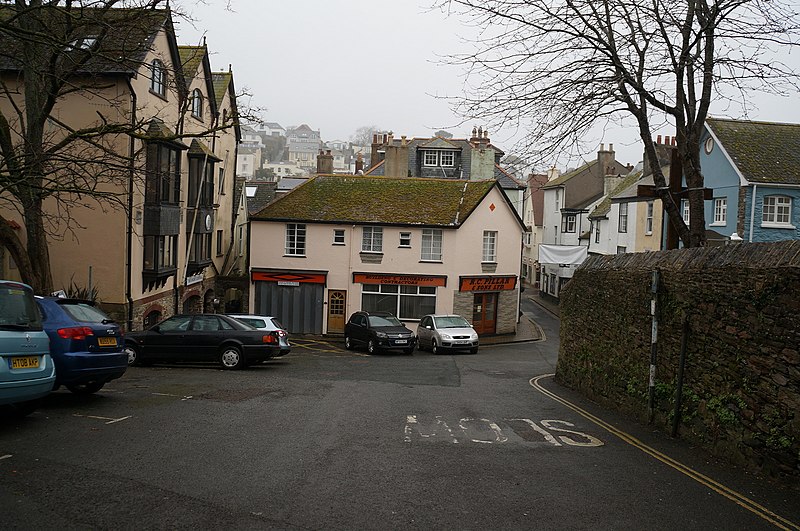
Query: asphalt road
330, 439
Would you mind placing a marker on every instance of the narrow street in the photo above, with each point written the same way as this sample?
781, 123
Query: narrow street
331, 439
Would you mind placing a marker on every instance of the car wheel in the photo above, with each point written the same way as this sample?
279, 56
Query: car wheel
87, 388
473, 350
348, 344
419, 344
133, 355
371, 347
231, 358
434, 347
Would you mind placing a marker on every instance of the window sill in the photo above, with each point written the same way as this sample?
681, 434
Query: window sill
338, 244
373, 253
778, 226
294, 256
430, 261
161, 96
718, 224
404, 247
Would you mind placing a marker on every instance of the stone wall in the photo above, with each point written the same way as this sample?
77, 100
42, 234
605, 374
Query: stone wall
741, 392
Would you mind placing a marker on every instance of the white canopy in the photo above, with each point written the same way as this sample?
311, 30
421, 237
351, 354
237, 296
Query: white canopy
562, 254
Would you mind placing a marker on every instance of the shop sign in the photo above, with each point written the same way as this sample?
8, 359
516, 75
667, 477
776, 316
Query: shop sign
406, 280
487, 283
289, 279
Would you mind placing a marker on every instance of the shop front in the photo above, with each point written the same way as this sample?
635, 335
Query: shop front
296, 298
492, 301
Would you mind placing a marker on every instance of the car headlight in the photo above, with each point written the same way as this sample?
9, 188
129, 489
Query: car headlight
473, 336
381, 335
446, 337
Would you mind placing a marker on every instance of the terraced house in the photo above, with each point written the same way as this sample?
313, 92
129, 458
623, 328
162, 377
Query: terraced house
410, 246
158, 248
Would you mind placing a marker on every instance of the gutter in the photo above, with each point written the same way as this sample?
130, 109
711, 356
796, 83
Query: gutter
129, 221
752, 213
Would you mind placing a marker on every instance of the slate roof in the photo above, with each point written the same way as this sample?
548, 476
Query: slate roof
264, 193
506, 180
199, 149
362, 199
764, 152
561, 179
158, 129
604, 207
126, 36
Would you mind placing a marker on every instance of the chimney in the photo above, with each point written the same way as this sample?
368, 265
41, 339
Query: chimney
359, 164
378, 142
396, 158
606, 159
663, 153
324, 163
553, 173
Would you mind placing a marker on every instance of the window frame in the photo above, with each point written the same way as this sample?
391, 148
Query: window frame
419, 300
428, 248
158, 78
405, 240
197, 104
295, 242
720, 211
569, 223
649, 218
489, 248
622, 226
338, 237
372, 239
778, 210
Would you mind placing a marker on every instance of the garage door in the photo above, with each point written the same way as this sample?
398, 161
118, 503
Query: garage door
298, 308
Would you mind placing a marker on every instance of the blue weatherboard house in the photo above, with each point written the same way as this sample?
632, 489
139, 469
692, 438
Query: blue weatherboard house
753, 169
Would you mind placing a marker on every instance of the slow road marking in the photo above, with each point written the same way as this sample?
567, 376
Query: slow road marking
739, 499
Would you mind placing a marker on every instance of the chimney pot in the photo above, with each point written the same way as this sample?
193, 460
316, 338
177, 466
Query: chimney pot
611, 147
658, 139
602, 147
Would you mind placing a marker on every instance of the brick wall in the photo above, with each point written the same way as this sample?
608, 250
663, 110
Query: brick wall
741, 394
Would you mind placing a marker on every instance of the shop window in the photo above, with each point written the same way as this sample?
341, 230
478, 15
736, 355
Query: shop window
406, 302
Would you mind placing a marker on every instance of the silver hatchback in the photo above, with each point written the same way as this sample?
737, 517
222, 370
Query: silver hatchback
453, 332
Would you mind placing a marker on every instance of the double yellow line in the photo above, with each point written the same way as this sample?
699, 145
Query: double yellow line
738, 499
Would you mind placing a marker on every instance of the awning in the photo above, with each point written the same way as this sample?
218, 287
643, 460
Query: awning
562, 254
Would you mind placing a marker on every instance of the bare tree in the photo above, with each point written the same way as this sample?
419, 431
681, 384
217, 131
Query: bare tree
49, 52
363, 135
558, 68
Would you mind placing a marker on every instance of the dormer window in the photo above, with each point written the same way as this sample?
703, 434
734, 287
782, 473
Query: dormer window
84, 43
438, 158
158, 78
197, 104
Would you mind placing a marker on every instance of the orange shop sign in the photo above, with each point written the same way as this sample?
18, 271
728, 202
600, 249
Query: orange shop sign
289, 279
405, 280
487, 283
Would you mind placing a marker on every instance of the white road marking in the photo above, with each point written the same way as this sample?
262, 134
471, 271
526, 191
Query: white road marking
109, 419
498, 433
593, 441
182, 397
538, 429
5, 456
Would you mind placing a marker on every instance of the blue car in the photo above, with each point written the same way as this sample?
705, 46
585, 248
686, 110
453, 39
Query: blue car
86, 344
26, 368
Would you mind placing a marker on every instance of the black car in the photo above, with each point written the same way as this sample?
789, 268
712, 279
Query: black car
378, 331
203, 337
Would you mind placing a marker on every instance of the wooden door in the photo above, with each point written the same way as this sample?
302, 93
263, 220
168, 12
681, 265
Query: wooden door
484, 313
336, 306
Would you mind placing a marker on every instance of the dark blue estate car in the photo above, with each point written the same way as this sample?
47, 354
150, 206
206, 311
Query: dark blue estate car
85, 343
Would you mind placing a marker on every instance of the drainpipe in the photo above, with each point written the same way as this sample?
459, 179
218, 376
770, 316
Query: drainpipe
129, 221
752, 213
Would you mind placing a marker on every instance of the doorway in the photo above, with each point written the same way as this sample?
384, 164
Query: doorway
336, 306
484, 313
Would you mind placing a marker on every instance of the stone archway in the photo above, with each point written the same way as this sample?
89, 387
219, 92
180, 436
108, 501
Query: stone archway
193, 304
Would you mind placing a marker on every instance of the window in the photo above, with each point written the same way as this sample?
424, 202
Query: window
241, 240
197, 104
160, 252
685, 209
162, 183
372, 240
158, 78
720, 210
568, 223
199, 188
200, 250
489, 246
338, 236
431, 245
405, 239
648, 222
221, 181
597, 231
623, 217
151, 318
219, 243
295, 239
439, 158
558, 199
777, 210
430, 158
406, 302
83, 43
527, 238
447, 158
622, 250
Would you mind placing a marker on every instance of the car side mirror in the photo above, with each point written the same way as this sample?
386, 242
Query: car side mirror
429, 327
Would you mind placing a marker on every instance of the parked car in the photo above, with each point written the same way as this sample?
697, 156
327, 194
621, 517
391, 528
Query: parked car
27, 372
453, 332
263, 322
202, 337
85, 343
378, 331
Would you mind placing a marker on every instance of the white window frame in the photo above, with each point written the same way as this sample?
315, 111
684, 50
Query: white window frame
597, 231
295, 239
405, 240
430, 158
489, 254
392, 293
431, 249
685, 211
569, 223
447, 159
372, 239
621, 249
720, 211
776, 211
623, 218
338, 237
648, 222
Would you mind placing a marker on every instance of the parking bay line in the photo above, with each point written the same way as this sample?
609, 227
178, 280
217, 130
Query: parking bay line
109, 419
738, 499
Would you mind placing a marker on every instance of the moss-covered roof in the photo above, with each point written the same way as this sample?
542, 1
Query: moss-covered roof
764, 152
191, 57
364, 199
569, 175
199, 149
221, 82
603, 208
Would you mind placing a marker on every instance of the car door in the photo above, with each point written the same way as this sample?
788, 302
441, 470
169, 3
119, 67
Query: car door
167, 339
358, 330
203, 338
424, 332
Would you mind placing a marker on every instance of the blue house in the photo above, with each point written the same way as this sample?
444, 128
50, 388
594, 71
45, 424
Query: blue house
753, 169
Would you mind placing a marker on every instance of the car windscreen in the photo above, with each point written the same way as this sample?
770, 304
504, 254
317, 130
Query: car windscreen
380, 320
18, 309
451, 321
86, 313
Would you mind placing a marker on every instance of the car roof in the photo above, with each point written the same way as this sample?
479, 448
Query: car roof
238, 315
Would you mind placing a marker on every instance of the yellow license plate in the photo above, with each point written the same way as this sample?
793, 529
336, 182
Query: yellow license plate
107, 341
28, 362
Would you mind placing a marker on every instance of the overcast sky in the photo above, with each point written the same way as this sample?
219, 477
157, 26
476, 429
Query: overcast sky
337, 65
